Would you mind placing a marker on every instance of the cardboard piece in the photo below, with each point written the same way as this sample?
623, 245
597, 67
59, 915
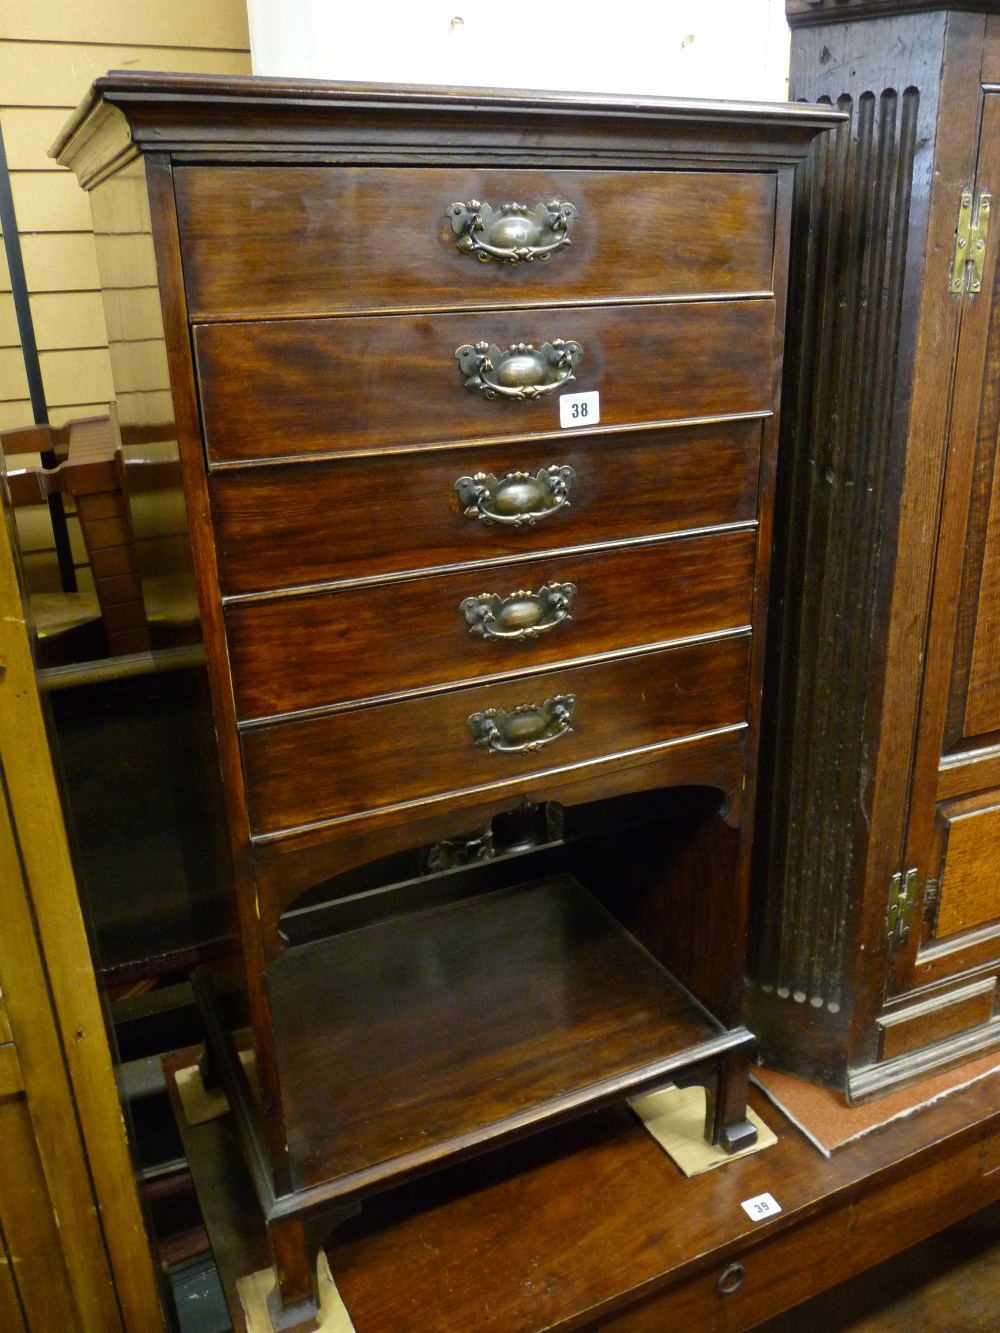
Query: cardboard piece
254, 1290
676, 1119
201, 1103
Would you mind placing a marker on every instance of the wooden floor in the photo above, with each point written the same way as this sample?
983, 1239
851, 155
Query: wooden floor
948, 1284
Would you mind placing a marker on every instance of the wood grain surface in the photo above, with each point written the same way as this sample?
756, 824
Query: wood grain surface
323, 768
292, 525
279, 389
536, 989
306, 652
591, 1221
324, 422
332, 239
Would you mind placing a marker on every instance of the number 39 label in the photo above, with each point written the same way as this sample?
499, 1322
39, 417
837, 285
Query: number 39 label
580, 409
761, 1206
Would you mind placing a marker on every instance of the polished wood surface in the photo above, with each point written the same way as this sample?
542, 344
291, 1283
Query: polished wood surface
307, 857
287, 525
314, 650
287, 389
250, 121
418, 749
500, 1012
567, 1230
321, 448
948, 1275
966, 871
982, 702
334, 239
937, 1018
956, 694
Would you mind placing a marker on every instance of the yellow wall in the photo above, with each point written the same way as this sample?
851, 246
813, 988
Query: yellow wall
50, 53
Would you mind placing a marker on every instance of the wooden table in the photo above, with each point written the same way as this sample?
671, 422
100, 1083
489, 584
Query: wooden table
592, 1226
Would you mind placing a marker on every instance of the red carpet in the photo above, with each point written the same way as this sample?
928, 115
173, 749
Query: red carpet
824, 1117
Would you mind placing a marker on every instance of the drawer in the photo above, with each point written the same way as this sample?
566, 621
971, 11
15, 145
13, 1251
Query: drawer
289, 525
310, 239
317, 386
308, 651
307, 771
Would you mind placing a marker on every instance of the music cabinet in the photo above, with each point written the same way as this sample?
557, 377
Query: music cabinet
877, 940
475, 396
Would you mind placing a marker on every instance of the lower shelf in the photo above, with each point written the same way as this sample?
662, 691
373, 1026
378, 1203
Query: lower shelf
429, 1035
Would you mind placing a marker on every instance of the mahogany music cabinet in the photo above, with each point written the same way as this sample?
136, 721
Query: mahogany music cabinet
475, 396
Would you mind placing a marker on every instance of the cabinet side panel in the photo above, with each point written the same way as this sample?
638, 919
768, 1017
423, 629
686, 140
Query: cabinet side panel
839, 484
30, 1232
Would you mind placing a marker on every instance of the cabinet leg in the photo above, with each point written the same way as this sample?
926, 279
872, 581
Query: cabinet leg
209, 1076
726, 1122
293, 1305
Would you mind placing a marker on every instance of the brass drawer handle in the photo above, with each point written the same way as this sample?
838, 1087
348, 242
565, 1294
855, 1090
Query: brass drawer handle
522, 372
517, 498
512, 233
521, 615
525, 728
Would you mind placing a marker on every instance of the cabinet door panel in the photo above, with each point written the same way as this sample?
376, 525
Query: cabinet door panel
982, 702
951, 842
968, 895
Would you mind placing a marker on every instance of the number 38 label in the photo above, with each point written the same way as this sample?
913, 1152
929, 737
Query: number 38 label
580, 409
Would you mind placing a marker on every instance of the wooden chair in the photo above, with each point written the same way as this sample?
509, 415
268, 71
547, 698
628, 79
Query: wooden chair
70, 625
151, 474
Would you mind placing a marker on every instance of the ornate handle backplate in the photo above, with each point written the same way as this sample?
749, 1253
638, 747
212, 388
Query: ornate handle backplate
522, 372
521, 615
512, 233
525, 728
517, 498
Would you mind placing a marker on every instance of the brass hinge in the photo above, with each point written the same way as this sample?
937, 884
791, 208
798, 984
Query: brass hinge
902, 900
970, 244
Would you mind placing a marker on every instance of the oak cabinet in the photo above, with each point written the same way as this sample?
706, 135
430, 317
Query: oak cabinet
877, 940
475, 398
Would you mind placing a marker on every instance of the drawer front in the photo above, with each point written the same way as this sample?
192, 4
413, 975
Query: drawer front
306, 652
310, 770
308, 239
285, 526
937, 1018
290, 388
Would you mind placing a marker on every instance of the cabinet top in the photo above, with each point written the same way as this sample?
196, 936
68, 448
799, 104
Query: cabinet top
244, 119
802, 12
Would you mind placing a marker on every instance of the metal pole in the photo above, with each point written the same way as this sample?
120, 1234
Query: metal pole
32, 366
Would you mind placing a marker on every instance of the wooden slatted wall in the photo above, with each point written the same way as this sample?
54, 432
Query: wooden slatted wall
49, 55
